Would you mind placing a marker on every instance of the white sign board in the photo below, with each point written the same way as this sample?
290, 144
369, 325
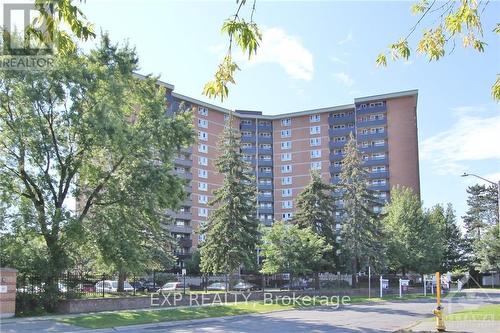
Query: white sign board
385, 283
3, 289
183, 271
405, 283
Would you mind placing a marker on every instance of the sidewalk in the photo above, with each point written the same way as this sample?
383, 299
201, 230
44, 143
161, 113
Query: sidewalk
466, 326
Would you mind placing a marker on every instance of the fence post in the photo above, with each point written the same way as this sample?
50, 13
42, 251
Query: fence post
400, 291
381, 286
134, 283
102, 284
425, 287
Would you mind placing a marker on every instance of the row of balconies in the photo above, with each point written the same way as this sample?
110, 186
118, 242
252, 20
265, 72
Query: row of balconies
253, 139
253, 150
260, 128
369, 123
340, 131
371, 109
341, 120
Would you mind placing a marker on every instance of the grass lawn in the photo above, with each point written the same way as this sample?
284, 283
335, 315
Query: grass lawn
487, 312
131, 317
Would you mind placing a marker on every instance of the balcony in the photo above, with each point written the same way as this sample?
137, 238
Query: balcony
337, 144
267, 222
263, 174
370, 123
371, 109
341, 120
187, 150
382, 188
265, 151
336, 157
248, 150
265, 186
265, 198
265, 128
373, 149
340, 132
250, 138
188, 202
184, 175
372, 136
180, 215
179, 229
183, 162
247, 127
265, 139
185, 242
379, 175
335, 169
265, 163
266, 210
377, 161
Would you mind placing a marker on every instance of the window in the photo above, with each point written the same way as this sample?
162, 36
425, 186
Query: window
314, 118
288, 204
265, 134
287, 168
362, 106
286, 181
338, 151
265, 146
315, 153
266, 193
203, 148
336, 176
265, 205
202, 135
377, 130
265, 181
266, 169
315, 165
202, 111
287, 216
264, 123
203, 199
377, 116
339, 139
315, 130
286, 145
378, 156
315, 142
338, 115
364, 144
378, 182
286, 122
380, 168
246, 122
286, 156
202, 160
203, 123
286, 133
378, 143
337, 163
286, 192
246, 145
265, 157
246, 133
202, 186
180, 223
203, 212
202, 173
180, 169
339, 126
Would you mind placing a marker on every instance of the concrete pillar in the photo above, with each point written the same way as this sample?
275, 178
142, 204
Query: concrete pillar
7, 292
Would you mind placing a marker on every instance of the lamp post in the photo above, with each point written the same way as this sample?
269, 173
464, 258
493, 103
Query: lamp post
491, 182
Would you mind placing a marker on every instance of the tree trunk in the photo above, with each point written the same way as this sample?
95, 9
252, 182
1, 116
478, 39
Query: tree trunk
316, 280
121, 280
354, 267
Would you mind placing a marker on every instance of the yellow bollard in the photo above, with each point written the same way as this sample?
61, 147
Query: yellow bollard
438, 312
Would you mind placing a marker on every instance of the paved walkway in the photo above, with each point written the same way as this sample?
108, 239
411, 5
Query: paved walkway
370, 318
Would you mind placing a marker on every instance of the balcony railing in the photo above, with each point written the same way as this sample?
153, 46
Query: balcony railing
336, 157
179, 229
265, 139
266, 163
265, 186
341, 120
337, 144
370, 123
379, 174
371, 109
265, 151
265, 128
247, 127
372, 136
340, 131
375, 161
183, 162
373, 149
265, 198
335, 169
265, 210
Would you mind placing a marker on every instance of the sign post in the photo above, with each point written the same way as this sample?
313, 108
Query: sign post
384, 284
184, 278
403, 284
425, 286
381, 286
369, 282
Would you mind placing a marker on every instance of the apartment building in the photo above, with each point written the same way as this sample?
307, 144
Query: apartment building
283, 149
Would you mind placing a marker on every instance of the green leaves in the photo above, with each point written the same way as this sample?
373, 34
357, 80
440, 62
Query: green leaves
224, 75
400, 50
432, 44
495, 90
420, 7
246, 35
381, 60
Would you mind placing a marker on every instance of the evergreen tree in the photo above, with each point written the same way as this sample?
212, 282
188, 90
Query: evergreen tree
316, 210
454, 246
232, 228
487, 251
361, 233
483, 210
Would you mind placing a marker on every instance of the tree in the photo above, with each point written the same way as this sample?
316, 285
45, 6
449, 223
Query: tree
232, 228
316, 210
82, 130
361, 233
483, 210
487, 250
288, 248
454, 244
413, 238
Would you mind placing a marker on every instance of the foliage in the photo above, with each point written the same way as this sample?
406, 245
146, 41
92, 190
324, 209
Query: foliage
454, 253
232, 228
414, 239
193, 263
487, 250
247, 36
316, 209
452, 21
361, 233
288, 248
482, 212
87, 129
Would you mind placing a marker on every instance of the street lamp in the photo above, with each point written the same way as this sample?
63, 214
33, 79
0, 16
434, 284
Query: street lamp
491, 182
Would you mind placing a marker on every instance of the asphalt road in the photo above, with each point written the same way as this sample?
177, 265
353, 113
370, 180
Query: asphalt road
373, 317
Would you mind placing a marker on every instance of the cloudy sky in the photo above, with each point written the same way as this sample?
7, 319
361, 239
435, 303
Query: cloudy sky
322, 53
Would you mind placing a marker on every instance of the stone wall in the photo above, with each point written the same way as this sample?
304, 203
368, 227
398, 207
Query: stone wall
7, 292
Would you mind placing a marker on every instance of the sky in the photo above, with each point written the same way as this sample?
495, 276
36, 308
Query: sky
322, 53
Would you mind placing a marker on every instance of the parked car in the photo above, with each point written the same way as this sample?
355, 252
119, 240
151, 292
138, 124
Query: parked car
109, 286
138, 285
173, 286
221, 286
150, 286
244, 286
